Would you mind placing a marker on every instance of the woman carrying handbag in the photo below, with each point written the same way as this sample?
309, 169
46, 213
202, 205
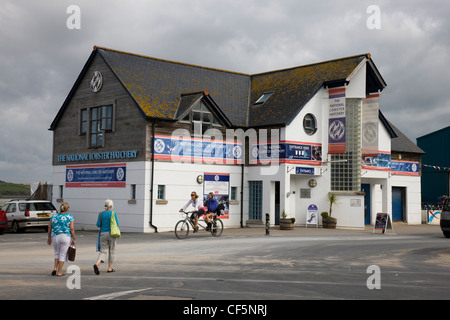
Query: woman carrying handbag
61, 234
108, 223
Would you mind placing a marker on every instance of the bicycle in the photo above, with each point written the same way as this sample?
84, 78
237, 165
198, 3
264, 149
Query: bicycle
182, 226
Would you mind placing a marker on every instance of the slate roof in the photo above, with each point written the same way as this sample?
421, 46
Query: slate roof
293, 88
164, 89
402, 143
157, 85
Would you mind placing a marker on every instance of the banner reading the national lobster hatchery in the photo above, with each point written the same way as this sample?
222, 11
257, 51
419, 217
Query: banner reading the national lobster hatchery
336, 121
370, 111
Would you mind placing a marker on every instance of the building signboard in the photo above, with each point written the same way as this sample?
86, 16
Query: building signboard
370, 111
219, 184
96, 176
384, 163
186, 149
286, 152
336, 121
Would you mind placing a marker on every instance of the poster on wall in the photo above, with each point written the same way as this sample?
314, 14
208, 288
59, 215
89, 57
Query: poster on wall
96, 176
219, 184
336, 121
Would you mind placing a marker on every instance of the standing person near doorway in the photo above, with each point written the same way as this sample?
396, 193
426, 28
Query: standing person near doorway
107, 241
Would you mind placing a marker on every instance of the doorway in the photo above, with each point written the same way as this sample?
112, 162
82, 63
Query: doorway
398, 203
366, 188
277, 202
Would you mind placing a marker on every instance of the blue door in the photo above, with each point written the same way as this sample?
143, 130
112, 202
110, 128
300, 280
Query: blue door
366, 189
397, 203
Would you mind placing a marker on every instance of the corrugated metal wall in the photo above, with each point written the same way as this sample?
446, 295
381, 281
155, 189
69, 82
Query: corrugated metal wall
436, 164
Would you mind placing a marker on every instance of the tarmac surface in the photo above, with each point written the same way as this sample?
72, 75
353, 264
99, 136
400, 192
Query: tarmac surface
243, 263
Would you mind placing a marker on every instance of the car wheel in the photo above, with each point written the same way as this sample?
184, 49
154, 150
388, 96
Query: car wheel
15, 227
446, 234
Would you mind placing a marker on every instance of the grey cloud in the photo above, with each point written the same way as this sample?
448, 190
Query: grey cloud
40, 58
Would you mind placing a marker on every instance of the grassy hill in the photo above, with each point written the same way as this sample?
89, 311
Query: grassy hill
8, 189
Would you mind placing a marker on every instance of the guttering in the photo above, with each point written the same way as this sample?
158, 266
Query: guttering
151, 179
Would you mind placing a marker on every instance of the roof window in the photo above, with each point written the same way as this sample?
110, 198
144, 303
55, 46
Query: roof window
263, 98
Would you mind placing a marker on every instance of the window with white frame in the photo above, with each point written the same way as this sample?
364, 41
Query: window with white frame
133, 192
233, 193
201, 119
161, 192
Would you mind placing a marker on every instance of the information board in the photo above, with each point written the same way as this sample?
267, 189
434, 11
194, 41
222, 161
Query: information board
312, 215
382, 222
219, 184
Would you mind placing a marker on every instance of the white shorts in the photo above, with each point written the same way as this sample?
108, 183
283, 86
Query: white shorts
61, 244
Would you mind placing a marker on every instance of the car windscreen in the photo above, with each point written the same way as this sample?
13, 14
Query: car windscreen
40, 206
446, 205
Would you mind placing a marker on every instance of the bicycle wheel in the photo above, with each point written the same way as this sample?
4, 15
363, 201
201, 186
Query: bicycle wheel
182, 229
216, 227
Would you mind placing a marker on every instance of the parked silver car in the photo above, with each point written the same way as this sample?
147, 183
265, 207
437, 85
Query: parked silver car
23, 214
445, 218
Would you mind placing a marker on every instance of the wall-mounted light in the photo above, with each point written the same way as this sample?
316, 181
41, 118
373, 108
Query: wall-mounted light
312, 183
200, 179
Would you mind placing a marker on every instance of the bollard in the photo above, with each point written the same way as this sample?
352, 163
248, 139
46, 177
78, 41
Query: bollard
267, 224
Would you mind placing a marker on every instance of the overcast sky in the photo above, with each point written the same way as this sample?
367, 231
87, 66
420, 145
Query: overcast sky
40, 57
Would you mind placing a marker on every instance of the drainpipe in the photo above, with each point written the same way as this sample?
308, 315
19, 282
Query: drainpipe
151, 180
242, 194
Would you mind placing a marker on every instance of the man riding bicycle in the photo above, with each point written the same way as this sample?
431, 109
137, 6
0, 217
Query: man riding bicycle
212, 205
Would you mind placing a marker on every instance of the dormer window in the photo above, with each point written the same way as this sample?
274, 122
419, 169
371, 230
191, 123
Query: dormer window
201, 117
264, 98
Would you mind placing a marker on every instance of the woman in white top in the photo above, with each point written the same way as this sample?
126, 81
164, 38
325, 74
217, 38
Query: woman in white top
196, 202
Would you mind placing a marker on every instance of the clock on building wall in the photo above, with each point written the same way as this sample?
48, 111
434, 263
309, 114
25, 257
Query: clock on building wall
96, 81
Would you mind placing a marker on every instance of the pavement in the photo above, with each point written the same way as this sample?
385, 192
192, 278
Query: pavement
398, 228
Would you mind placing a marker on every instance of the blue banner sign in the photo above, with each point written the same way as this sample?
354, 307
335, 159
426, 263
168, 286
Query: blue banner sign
410, 168
286, 152
303, 170
384, 163
97, 176
196, 150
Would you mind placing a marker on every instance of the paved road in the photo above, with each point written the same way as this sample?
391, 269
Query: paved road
243, 264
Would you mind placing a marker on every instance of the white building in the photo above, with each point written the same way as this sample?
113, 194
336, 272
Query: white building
265, 143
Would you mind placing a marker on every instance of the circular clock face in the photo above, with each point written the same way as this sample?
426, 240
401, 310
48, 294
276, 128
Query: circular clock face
96, 81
